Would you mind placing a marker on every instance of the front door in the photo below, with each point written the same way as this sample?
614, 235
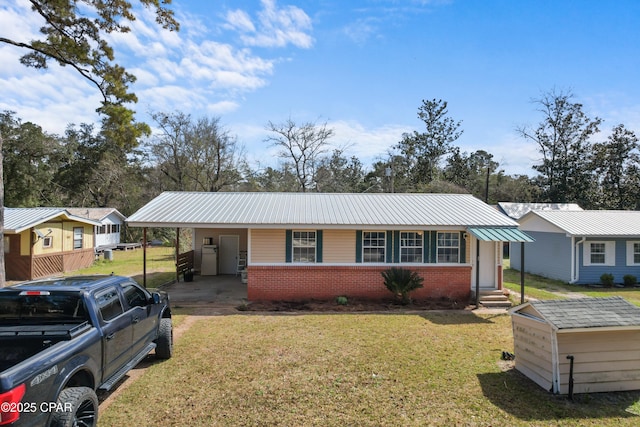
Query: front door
487, 265
228, 254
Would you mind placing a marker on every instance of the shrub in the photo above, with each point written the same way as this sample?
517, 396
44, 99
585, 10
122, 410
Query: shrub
629, 280
607, 280
342, 300
401, 282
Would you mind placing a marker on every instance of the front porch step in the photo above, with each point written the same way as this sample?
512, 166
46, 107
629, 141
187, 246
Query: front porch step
494, 299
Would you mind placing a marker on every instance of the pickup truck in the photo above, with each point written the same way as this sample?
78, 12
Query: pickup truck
62, 339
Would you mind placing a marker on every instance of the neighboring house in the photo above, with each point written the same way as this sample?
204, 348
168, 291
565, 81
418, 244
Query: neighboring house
601, 335
41, 242
579, 246
321, 245
518, 210
107, 234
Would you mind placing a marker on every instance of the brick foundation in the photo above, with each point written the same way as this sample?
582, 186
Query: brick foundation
291, 283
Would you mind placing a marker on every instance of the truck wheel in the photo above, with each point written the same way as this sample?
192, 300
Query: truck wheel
78, 406
164, 343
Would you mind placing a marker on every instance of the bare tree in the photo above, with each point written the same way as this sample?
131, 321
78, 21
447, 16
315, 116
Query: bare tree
200, 156
302, 145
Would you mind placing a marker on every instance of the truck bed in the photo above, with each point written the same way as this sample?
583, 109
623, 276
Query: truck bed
19, 342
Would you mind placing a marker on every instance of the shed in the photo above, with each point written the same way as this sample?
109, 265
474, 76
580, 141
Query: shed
602, 335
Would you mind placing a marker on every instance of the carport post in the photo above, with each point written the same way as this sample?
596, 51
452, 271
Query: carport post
177, 253
144, 257
477, 273
521, 272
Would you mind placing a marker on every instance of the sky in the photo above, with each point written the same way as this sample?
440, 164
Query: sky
363, 67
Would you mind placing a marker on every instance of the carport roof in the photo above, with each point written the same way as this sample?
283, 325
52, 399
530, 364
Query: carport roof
330, 210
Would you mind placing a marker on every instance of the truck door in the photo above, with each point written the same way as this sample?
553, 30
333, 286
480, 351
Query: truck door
144, 316
117, 331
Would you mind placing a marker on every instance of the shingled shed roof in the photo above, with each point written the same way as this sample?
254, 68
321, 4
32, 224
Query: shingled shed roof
584, 313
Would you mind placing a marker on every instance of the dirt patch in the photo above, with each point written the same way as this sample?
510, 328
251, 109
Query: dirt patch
352, 305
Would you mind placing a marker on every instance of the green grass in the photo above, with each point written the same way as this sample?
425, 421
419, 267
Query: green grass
360, 370
542, 288
160, 265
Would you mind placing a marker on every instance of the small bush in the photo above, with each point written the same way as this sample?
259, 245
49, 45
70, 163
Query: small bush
342, 300
629, 280
607, 280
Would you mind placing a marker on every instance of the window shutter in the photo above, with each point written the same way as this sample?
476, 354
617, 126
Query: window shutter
396, 246
463, 248
389, 249
358, 245
318, 245
289, 245
433, 247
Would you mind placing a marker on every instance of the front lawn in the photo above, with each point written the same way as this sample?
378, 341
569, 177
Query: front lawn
436, 368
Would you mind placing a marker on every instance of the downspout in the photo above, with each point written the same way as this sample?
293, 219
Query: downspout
575, 270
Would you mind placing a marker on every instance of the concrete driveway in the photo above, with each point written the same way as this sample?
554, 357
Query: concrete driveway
222, 290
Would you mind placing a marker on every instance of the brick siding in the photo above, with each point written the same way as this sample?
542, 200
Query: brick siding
291, 283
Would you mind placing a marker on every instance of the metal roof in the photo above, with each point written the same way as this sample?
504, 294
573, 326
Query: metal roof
17, 220
593, 223
331, 210
587, 312
490, 234
97, 214
518, 210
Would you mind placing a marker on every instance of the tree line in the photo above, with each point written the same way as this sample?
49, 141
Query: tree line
86, 167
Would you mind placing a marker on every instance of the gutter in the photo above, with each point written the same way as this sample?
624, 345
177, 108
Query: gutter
575, 270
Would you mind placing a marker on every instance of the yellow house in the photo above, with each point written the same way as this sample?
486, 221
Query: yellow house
41, 242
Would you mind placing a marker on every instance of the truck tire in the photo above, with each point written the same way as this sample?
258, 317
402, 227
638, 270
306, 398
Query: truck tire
164, 343
78, 406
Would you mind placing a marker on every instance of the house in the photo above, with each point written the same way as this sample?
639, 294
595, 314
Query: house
320, 245
41, 242
518, 210
579, 246
600, 337
107, 234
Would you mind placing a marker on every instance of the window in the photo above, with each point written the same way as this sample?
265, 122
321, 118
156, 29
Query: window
7, 244
101, 229
135, 296
411, 246
448, 246
78, 234
109, 304
47, 242
115, 228
304, 246
373, 246
633, 253
599, 253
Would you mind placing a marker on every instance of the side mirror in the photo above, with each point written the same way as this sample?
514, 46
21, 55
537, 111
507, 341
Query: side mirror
156, 298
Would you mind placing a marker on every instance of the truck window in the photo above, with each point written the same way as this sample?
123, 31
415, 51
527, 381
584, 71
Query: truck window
135, 296
109, 304
34, 306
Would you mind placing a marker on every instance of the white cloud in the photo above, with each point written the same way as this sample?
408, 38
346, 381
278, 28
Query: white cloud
276, 27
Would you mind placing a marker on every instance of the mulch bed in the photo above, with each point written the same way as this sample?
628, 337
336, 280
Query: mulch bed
353, 305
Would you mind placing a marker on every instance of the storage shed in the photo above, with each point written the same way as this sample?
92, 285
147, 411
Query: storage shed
601, 334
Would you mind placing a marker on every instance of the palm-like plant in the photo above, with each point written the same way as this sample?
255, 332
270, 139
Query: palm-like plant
401, 282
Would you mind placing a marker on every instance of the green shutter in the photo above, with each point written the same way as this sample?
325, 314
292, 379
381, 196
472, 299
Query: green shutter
433, 248
358, 245
389, 249
425, 246
318, 245
289, 246
396, 246
463, 248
